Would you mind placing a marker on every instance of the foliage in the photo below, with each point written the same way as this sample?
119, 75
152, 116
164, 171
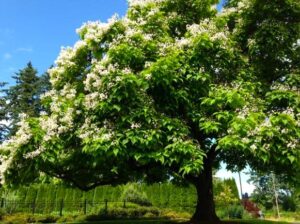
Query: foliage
137, 212
48, 197
2, 213
3, 115
226, 197
132, 194
235, 212
166, 91
289, 204
23, 97
226, 185
264, 191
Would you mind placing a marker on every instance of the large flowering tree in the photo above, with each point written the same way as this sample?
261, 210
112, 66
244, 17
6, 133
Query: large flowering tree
171, 89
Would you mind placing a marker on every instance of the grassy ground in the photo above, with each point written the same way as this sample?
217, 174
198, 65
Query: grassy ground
20, 220
256, 222
180, 222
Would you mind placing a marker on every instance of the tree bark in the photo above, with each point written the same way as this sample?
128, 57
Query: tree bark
205, 208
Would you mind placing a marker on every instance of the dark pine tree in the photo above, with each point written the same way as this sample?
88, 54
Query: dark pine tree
23, 97
3, 114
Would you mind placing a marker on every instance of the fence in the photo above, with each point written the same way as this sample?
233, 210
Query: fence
58, 208
62, 207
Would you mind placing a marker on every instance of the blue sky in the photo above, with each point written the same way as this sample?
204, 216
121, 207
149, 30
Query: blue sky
35, 30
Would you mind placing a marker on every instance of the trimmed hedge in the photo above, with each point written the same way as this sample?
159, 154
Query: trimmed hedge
49, 197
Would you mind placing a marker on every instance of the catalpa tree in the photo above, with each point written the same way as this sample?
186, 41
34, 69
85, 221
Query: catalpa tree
169, 90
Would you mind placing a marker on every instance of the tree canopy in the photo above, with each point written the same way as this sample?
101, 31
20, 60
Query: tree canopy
172, 88
3, 115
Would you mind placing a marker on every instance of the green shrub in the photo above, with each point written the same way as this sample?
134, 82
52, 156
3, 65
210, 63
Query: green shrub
20, 218
71, 218
46, 219
171, 214
235, 212
2, 213
131, 193
289, 204
222, 213
121, 213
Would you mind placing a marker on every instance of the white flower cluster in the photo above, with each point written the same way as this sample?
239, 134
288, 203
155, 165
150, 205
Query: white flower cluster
92, 131
65, 61
22, 137
51, 94
135, 125
33, 154
266, 124
67, 118
5, 162
228, 11
93, 80
183, 42
143, 3
92, 100
244, 112
243, 4
68, 92
283, 87
88, 130
208, 27
50, 126
23, 134
94, 31
165, 47
58, 123
67, 54
296, 44
293, 144
289, 111
55, 106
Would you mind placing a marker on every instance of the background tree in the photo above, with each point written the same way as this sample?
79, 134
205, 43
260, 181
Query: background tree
226, 198
264, 194
3, 115
165, 91
22, 98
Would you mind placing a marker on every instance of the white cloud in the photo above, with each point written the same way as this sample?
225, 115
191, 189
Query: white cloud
24, 49
7, 56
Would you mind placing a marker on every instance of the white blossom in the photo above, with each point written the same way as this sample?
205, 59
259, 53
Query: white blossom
183, 42
50, 126
143, 3
253, 147
148, 76
135, 125
68, 92
127, 71
94, 31
33, 154
93, 99
292, 145
289, 111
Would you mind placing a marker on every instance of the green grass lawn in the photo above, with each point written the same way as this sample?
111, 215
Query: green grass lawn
179, 222
256, 222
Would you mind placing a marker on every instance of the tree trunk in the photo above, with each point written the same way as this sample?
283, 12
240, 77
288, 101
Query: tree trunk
205, 209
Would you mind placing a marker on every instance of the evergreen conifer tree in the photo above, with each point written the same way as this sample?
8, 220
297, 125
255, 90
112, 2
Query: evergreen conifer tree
23, 96
3, 117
